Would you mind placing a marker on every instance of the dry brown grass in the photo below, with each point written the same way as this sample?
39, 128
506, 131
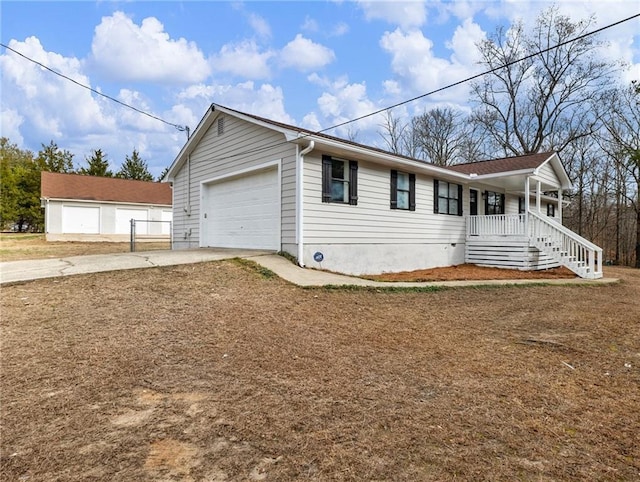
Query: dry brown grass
15, 247
214, 372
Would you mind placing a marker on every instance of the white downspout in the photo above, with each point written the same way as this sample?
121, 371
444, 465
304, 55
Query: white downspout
300, 200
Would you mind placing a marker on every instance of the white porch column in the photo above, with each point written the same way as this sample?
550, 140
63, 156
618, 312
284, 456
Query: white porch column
527, 192
560, 205
538, 189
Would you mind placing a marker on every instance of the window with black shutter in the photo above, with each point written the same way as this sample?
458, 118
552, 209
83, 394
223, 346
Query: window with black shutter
447, 198
339, 180
403, 191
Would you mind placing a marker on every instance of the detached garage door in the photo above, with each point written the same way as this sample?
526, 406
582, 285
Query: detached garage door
124, 217
242, 212
80, 220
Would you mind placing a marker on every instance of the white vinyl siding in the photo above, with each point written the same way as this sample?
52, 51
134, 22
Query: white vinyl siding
371, 220
241, 146
547, 175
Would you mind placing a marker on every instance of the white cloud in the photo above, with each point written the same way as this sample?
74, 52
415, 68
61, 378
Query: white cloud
342, 102
244, 59
406, 14
463, 43
419, 71
259, 25
47, 103
304, 54
123, 50
10, 121
265, 100
339, 29
309, 25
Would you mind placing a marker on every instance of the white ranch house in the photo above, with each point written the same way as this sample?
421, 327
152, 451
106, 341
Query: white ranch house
243, 181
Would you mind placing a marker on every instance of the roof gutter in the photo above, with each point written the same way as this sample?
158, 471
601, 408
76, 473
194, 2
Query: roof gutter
300, 199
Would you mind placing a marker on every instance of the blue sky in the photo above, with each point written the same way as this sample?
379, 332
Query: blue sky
313, 64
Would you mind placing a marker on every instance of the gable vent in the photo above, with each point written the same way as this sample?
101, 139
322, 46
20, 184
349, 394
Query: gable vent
221, 126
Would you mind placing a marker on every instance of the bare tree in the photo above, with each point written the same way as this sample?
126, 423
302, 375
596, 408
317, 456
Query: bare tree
545, 101
393, 131
446, 137
622, 144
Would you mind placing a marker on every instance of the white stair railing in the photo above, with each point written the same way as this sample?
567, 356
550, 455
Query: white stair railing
566, 247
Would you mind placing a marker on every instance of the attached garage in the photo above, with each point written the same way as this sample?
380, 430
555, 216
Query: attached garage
242, 211
80, 219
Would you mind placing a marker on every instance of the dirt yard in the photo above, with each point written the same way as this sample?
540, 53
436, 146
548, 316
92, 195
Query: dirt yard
221, 372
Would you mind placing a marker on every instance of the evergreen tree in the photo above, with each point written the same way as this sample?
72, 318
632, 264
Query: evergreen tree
163, 174
51, 158
97, 165
134, 167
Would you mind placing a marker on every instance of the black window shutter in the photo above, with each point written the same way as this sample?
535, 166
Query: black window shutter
459, 200
435, 196
326, 179
394, 189
486, 202
502, 206
353, 182
412, 192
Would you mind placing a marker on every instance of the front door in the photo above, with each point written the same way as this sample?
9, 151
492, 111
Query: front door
473, 202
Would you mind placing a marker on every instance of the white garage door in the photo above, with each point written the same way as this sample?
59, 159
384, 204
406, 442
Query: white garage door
242, 212
167, 218
124, 217
80, 220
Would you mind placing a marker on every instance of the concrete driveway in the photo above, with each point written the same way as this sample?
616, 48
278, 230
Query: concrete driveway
12, 271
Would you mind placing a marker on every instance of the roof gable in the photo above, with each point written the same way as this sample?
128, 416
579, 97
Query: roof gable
93, 188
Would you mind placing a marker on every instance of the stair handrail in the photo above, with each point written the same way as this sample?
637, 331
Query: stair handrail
594, 260
566, 231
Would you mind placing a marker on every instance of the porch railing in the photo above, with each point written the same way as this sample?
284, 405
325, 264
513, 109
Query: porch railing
572, 250
547, 235
497, 225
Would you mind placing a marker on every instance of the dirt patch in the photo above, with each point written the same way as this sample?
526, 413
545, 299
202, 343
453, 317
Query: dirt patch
471, 272
215, 372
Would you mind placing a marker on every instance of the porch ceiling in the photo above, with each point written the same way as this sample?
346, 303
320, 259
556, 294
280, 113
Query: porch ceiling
514, 183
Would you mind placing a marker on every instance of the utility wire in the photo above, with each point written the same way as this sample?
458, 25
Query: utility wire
379, 111
468, 79
473, 77
179, 127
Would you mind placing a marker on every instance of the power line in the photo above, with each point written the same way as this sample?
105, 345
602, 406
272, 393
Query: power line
179, 127
379, 111
449, 86
473, 77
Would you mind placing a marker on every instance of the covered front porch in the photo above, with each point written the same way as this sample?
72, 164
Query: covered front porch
533, 239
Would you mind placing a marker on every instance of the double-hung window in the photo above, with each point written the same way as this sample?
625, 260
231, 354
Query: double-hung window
447, 198
493, 203
403, 191
339, 180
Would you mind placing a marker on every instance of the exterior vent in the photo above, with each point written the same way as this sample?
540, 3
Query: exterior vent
221, 126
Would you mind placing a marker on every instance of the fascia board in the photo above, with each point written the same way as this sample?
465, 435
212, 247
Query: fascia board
202, 127
558, 167
386, 159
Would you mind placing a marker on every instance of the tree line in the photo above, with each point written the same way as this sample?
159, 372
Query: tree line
568, 99
20, 176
